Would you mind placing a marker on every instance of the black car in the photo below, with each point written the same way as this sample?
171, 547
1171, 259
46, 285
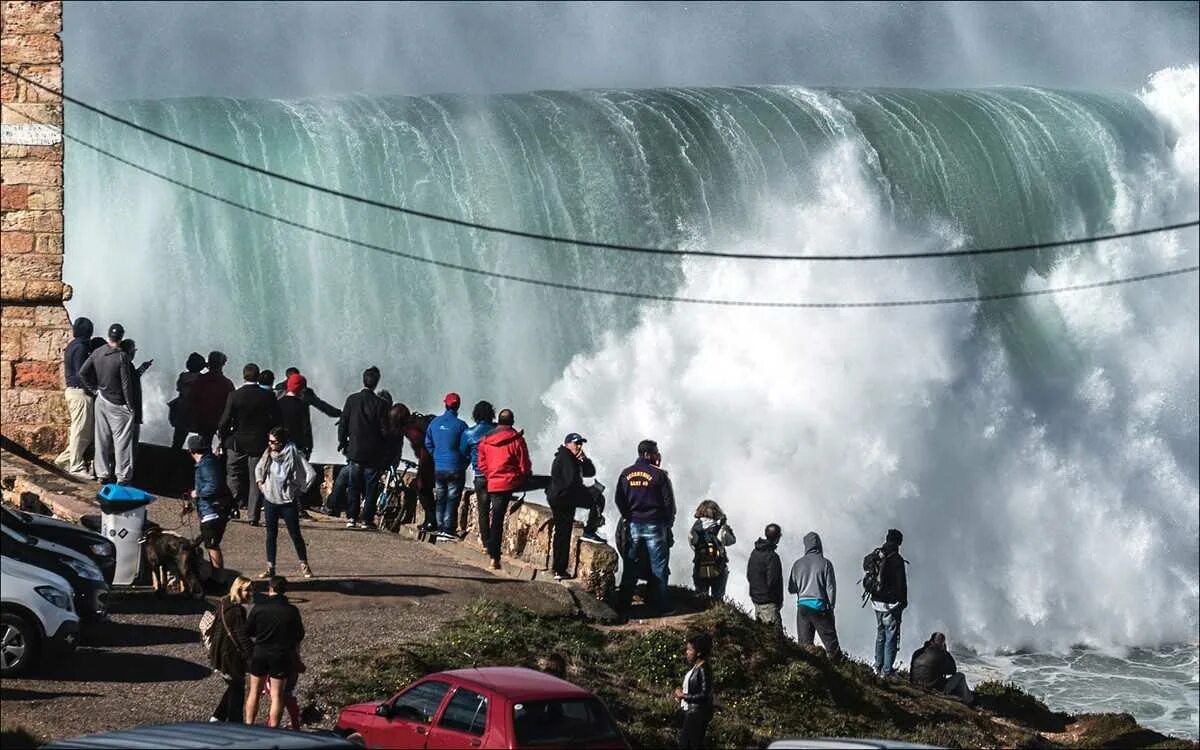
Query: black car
84, 541
87, 582
212, 735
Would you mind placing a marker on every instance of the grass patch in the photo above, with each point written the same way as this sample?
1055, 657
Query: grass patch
767, 687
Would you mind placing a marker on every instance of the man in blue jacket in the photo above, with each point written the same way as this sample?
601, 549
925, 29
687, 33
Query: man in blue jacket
484, 416
443, 440
646, 502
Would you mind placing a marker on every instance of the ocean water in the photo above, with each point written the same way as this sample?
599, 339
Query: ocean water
1042, 455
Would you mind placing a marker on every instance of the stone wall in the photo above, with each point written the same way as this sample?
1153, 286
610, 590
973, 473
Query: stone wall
34, 327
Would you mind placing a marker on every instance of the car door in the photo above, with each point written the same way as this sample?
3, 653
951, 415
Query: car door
462, 723
405, 723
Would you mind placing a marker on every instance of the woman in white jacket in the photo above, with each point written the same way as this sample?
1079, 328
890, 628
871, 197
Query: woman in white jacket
283, 476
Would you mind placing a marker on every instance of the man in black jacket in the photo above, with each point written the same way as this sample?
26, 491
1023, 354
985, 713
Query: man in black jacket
361, 440
276, 630
308, 395
646, 501
250, 413
765, 574
889, 601
566, 493
109, 372
933, 668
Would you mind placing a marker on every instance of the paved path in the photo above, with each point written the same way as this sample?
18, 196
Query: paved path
146, 664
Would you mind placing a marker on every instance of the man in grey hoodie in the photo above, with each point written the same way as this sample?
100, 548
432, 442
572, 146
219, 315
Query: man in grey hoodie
813, 583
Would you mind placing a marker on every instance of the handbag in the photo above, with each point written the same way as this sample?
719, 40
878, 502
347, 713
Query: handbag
298, 665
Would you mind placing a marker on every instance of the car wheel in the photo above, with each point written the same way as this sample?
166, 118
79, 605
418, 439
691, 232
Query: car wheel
19, 644
356, 739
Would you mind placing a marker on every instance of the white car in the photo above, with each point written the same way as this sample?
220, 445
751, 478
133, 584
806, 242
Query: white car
36, 615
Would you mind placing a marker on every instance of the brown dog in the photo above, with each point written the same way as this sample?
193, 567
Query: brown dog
169, 554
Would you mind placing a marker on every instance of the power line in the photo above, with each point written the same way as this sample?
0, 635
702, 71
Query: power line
478, 226
621, 293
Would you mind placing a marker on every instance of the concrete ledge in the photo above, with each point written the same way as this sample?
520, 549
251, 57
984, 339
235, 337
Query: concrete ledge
32, 485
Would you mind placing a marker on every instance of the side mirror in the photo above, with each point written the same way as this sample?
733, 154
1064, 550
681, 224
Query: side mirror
384, 710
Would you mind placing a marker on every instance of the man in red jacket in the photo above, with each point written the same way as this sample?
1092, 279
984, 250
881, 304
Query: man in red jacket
503, 458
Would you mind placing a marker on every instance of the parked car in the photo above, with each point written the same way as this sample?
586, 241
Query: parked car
189, 734
486, 707
87, 584
37, 616
84, 541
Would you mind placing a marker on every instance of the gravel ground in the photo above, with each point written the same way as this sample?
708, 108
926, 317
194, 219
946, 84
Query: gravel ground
146, 664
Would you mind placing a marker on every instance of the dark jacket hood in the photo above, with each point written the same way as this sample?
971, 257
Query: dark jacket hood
764, 545
82, 328
812, 543
890, 548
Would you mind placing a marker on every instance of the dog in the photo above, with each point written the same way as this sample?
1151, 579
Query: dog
170, 555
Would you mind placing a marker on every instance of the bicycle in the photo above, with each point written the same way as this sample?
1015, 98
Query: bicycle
388, 505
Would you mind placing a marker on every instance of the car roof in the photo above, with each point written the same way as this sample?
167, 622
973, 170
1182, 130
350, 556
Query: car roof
188, 735
516, 683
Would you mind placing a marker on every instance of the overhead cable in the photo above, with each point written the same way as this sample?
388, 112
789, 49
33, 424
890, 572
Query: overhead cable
624, 293
675, 252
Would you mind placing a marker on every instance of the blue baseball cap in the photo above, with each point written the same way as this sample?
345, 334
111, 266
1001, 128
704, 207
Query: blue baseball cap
574, 437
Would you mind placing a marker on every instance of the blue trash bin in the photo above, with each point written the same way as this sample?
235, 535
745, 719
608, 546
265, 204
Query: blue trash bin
122, 519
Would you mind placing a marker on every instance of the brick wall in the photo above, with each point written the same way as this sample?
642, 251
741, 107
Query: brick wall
34, 326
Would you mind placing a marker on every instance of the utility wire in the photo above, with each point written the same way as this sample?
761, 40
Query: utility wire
621, 293
581, 242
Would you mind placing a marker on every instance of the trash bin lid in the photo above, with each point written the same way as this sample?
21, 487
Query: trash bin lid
119, 498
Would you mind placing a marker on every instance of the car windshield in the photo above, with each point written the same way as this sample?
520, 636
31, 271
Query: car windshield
562, 723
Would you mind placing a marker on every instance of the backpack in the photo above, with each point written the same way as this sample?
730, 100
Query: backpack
872, 580
207, 623
711, 560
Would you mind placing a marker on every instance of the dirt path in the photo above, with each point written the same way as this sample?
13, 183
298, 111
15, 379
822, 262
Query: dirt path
146, 665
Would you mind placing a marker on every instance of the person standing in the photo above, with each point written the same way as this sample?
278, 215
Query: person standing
212, 498
813, 582
276, 629
129, 346
81, 402
696, 696
109, 372
765, 575
645, 497
361, 440
933, 668
443, 440
206, 401
250, 413
709, 537
484, 416
179, 408
294, 414
566, 493
414, 432
231, 649
283, 475
889, 599
503, 457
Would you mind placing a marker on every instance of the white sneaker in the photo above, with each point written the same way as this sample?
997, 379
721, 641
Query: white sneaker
350, 524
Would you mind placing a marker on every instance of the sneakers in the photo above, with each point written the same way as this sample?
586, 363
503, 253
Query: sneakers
305, 570
447, 536
496, 565
267, 573
351, 524
592, 536
559, 577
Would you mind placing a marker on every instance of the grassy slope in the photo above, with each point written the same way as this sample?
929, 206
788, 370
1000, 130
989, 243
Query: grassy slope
766, 687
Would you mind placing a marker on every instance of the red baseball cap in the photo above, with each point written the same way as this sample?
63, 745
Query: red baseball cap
452, 400
296, 383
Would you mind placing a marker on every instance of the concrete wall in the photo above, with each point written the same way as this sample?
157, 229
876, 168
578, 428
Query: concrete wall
34, 327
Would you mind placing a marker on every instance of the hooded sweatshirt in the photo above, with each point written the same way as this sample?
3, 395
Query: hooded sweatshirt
109, 371
285, 475
812, 579
765, 574
503, 458
77, 352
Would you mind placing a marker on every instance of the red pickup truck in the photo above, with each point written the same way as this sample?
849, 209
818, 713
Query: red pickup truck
487, 707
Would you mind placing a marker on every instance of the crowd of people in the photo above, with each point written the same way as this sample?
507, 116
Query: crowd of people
251, 445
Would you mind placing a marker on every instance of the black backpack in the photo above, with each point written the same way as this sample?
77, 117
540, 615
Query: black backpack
872, 580
710, 558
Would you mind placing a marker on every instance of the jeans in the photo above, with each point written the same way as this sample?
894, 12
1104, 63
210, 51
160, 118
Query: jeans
482, 508
233, 701
361, 491
564, 524
810, 622
291, 519
447, 491
647, 543
713, 588
499, 509
887, 641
